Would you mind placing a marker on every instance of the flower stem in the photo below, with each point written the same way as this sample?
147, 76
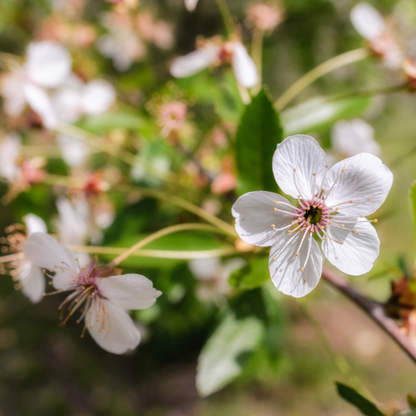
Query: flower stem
159, 234
374, 310
226, 16
159, 254
322, 69
257, 55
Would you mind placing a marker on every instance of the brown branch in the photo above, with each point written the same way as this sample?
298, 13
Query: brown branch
374, 310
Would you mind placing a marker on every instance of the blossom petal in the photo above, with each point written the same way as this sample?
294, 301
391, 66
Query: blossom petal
187, 65
254, 216
74, 151
9, 152
46, 252
97, 97
35, 224
33, 284
353, 137
285, 267
362, 179
244, 68
304, 154
367, 21
357, 252
205, 269
111, 327
48, 63
190, 5
129, 291
14, 100
41, 103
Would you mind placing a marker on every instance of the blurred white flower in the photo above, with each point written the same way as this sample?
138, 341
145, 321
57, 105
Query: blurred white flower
213, 277
331, 202
9, 152
214, 53
370, 24
155, 31
191, 5
48, 64
352, 137
106, 298
30, 278
264, 16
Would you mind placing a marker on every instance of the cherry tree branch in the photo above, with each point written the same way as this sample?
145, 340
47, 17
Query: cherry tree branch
374, 310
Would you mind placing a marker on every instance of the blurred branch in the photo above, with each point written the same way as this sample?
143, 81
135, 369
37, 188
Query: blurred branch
159, 254
322, 69
374, 310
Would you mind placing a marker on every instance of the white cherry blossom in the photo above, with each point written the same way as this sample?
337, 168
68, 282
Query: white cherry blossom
214, 53
352, 137
9, 152
47, 66
104, 296
331, 204
29, 277
372, 26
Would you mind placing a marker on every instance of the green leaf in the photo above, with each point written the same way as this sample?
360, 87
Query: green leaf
257, 137
255, 274
119, 119
365, 406
226, 352
413, 201
411, 401
319, 113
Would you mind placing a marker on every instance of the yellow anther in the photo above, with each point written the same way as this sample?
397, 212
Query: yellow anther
274, 209
314, 206
297, 254
302, 269
289, 231
294, 170
273, 226
357, 232
276, 202
342, 225
304, 281
274, 258
343, 170
369, 199
325, 239
314, 174
351, 201
320, 207
361, 216
329, 222
326, 166
376, 220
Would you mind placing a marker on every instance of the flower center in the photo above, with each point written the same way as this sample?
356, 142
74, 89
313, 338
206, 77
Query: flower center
313, 215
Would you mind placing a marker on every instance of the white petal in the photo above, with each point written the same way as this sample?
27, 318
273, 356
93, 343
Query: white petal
352, 137
41, 103
304, 154
46, 252
67, 103
117, 334
13, 95
129, 291
367, 21
9, 152
193, 62
97, 97
74, 151
254, 215
35, 224
244, 68
362, 179
33, 284
285, 270
191, 4
48, 63
205, 269
357, 253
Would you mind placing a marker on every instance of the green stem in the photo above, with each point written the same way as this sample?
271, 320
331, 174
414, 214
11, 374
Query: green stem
257, 55
320, 70
157, 235
226, 16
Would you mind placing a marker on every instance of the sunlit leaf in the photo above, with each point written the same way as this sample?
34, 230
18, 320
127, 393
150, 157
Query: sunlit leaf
257, 137
365, 406
319, 113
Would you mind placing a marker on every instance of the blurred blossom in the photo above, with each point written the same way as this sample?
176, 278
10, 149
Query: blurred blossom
47, 66
332, 201
157, 32
223, 183
380, 34
106, 296
191, 4
9, 153
30, 278
122, 44
70, 8
215, 52
352, 137
171, 116
213, 277
74, 151
264, 17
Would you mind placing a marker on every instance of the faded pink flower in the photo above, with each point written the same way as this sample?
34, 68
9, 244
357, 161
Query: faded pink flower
264, 16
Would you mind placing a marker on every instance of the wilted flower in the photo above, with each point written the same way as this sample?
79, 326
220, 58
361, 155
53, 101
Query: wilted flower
217, 52
370, 24
352, 137
213, 277
105, 297
331, 203
47, 66
30, 278
264, 17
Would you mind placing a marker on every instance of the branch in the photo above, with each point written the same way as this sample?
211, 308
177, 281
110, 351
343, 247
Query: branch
374, 310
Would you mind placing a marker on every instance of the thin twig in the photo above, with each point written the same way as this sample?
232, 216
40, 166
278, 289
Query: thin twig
374, 310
